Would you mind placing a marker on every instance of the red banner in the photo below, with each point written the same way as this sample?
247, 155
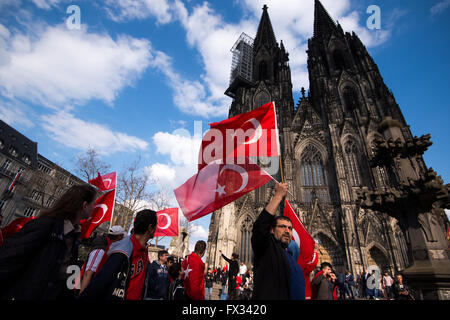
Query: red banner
103, 211
167, 223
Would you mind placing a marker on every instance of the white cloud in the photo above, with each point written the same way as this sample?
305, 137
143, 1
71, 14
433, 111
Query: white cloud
122, 10
57, 66
198, 232
64, 128
46, 4
182, 151
440, 7
15, 114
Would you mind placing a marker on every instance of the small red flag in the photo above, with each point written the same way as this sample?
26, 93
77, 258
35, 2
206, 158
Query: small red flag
103, 210
105, 182
248, 134
13, 227
216, 185
167, 223
301, 236
13, 183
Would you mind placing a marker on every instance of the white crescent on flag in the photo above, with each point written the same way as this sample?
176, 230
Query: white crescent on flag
296, 237
109, 182
104, 207
258, 131
169, 221
239, 170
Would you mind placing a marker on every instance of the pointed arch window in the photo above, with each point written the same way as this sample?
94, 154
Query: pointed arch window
261, 98
311, 167
263, 70
350, 99
339, 61
245, 248
351, 155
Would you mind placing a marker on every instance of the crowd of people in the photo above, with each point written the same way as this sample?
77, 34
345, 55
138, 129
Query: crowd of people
37, 263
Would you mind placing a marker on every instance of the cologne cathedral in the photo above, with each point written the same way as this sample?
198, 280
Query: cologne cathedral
327, 141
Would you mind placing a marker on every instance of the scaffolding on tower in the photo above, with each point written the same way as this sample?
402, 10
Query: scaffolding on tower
241, 64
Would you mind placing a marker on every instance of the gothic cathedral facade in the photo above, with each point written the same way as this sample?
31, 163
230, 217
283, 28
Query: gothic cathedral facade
325, 143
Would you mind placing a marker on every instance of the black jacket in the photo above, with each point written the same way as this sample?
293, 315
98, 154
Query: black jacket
234, 267
30, 261
397, 290
271, 268
111, 281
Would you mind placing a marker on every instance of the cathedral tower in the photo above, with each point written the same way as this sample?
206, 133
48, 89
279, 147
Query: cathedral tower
326, 146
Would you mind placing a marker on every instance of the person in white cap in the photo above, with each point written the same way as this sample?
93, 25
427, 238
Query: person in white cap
97, 256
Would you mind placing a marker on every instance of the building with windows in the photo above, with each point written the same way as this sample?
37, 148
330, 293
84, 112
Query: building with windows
29, 182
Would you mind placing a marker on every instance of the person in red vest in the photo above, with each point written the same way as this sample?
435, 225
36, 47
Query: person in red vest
194, 272
307, 269
97, 257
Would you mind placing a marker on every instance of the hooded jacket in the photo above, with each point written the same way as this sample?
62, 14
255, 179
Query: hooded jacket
157, 281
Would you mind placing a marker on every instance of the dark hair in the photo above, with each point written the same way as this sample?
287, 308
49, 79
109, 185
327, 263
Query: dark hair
171, 259
275, 221
143, 220
161, 253
200, 247
235, 255
174, 270
325, 264
68, 205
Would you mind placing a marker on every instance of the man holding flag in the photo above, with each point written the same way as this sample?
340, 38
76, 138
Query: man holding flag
277, 274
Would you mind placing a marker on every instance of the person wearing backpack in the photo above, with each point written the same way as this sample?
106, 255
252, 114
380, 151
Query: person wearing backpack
123, 275
176, 289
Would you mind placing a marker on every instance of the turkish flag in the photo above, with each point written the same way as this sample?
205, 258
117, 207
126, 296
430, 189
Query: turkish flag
103, 210
105, 182
301, 236
194, 277
13, 227
167, 223
216, 185
251, 134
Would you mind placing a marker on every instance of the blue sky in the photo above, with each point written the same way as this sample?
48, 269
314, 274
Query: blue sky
138, 74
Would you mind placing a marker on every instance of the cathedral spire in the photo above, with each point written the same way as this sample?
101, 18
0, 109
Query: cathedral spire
265, 34
323, 24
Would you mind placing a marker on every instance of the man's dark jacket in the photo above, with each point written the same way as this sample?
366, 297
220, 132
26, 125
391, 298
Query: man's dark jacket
30, 261
234, 266
271, 268
111, 282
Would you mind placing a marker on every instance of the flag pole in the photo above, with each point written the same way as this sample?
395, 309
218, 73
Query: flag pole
278, 142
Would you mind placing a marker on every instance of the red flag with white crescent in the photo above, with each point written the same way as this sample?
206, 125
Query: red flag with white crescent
103, 210
301, 236
167, 223
105, 182
216, 185
250, 134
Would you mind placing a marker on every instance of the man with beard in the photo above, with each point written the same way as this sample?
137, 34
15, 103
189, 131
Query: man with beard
277, 274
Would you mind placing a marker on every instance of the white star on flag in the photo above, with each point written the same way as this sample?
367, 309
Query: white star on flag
186, 272
220, 189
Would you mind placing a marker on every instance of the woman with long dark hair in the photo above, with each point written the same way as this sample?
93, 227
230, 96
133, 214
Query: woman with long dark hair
34, 262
